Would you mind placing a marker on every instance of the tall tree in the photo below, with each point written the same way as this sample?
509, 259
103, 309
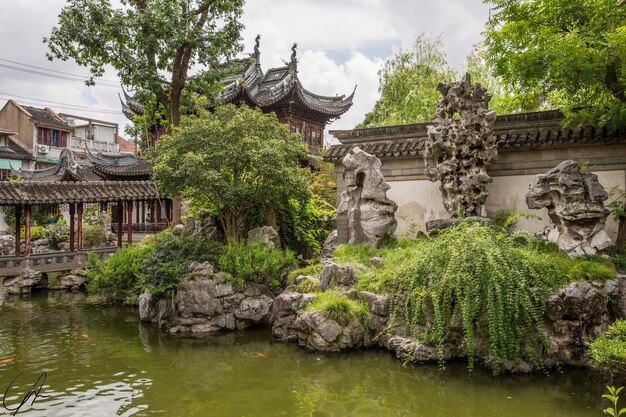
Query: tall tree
570, 53
408, 85
152, 44
236, 158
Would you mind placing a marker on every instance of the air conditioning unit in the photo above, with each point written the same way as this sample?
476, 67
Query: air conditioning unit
43, 149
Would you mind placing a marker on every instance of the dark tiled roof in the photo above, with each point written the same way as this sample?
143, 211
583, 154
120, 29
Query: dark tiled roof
251, 85
15, 151
91, 168
46, 118
515, 132
57, 192
140, 169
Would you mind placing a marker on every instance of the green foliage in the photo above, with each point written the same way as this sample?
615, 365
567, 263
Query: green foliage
613, 397
313, 270
304, 227
609, 350
166, 265
93, 236
588, 270
504, 100
39, 216
336, 306
91, 215
56, 233
237, 158
571, 55
474, 274
257, 263
505, 220
36, 232
306, 286
117, 276
408, 85
151, 45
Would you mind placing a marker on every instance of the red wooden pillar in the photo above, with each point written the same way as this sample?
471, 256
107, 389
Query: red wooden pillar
120, 215
129, 225
79, 215
72, 230
27, 209
143, 212
18, 229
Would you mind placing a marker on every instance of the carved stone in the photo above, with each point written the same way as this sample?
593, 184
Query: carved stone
574, 200
460, 145
370, 213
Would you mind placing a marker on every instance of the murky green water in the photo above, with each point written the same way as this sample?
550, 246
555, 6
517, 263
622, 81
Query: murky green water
101, 361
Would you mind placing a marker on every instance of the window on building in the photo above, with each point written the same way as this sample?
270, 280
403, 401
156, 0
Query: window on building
5, 174
52, 137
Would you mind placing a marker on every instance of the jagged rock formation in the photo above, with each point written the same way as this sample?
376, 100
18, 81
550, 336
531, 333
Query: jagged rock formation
207, 302
201, 224
460, 145
264, 234
370, 213
574, 200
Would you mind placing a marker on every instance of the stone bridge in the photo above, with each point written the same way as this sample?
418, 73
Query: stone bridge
49, 262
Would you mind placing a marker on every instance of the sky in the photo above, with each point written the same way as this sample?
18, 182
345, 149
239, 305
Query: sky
341, 43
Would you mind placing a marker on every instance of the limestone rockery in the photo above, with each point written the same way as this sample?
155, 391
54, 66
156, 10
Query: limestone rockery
207, 302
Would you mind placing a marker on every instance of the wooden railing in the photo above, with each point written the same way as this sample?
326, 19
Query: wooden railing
49, 262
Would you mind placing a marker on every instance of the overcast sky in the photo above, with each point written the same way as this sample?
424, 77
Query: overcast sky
341, 43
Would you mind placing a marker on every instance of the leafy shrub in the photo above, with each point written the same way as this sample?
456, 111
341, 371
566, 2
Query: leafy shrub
336, 306
505, 220
163, 269
609, 350
36, 232
56, 233
117, 276
93, 236
256, 263
305, 226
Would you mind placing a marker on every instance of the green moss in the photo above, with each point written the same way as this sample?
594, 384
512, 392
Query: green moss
336, 306
307, 286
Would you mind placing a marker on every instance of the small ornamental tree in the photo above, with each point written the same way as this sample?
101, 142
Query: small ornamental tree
236, 158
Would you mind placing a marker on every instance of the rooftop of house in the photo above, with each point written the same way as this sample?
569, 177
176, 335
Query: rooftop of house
47, 118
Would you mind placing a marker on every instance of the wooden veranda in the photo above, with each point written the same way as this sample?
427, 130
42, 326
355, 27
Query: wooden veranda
126, 196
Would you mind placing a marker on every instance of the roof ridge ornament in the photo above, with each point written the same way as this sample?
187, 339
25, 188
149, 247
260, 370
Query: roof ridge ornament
257, 52
293, 52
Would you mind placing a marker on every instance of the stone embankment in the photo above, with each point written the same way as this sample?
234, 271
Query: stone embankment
207, 302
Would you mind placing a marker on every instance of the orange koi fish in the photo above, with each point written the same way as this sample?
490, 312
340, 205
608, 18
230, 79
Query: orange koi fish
7, 360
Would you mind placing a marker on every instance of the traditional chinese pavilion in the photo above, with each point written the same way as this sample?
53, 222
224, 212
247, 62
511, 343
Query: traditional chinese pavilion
277, 90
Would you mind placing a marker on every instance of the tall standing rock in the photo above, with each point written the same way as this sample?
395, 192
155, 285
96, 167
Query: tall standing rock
370, 213
460, 145
575, 203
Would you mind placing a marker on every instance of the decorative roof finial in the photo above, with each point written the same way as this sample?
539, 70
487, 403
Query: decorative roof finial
257, 53
293, 52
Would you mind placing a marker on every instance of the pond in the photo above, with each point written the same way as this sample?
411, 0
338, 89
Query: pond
101, 361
